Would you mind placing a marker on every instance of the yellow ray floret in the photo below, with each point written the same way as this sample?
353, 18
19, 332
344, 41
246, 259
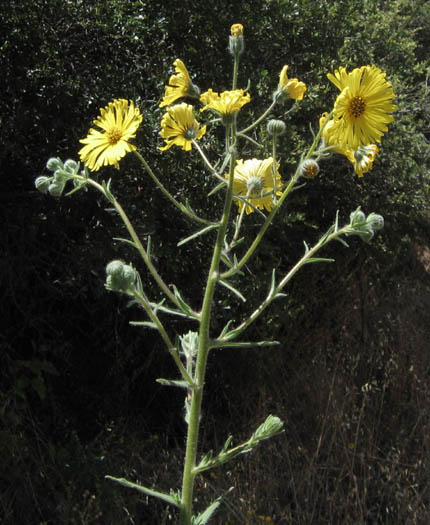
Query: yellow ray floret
119, 121
179, 127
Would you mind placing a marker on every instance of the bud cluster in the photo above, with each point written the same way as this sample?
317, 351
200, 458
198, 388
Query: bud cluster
364, 227
62, 172
120, 277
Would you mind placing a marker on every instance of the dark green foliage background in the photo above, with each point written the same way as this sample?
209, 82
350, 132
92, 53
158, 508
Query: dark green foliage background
78, 397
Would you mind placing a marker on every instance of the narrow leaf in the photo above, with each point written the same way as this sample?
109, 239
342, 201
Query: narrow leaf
197, 234
232, 289
172, 382
160, 495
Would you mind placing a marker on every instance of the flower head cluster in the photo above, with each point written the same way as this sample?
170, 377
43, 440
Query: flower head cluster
363, 108
178, 126
180, 85
226, 103
254, 181
119, 121
289, 87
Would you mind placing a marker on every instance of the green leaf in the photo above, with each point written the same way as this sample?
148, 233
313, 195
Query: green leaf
318, 259
168, 498
126, 241
204, 517
173, 382
232, 289
148, 324
197, 234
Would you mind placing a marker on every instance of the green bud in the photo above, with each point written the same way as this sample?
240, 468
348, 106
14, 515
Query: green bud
54, 164
42, 184
56, 187
367, 235
357, 218
120, 277
276, 127
236, 45
375, 221
71, 166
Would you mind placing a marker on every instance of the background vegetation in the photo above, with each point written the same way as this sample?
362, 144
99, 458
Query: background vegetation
351, 379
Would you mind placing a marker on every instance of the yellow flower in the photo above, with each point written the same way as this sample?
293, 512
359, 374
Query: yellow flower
227, 103
179, 127
363, 108
237, 30
119, 121
253, 180
180, 85
291, 87
363, 158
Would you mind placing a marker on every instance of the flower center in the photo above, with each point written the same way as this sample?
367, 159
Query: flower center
114, 136
254, 185
357, 106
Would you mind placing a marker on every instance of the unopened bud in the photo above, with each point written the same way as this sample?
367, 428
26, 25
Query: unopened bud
276, 127
375, 221
56, 187
54, 164
42, 184
357, 218
71, 166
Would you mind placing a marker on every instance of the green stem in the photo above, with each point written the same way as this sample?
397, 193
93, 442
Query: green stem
262, 117
167, 194
202, 356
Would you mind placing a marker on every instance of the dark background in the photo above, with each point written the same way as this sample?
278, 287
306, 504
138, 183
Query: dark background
78, 397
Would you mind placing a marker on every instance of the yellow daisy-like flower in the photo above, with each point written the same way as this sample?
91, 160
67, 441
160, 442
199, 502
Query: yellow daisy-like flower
227, 103
179, 127
180, 85
253, 180
237, 30
291, 87
119, 121
363, 158
363, 108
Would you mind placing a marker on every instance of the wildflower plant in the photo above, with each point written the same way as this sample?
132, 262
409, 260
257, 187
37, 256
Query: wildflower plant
360, 115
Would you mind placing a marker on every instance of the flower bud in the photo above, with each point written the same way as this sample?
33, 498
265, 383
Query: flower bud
309, 169
357, 218
56, 187
71, 166
42, 184
276, 128
236, 42
54, 164
375, 221
120, 277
